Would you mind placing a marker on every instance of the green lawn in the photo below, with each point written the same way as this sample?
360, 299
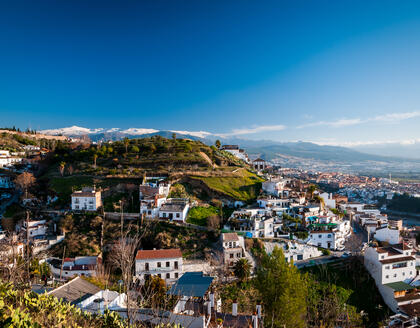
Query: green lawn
198, 215
244, 186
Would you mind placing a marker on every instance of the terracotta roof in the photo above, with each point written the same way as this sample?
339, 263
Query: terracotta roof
158, 254
230, 236
398, 259
84, 194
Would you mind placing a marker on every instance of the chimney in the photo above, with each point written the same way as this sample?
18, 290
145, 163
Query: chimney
209, 308
212, 299
254, 320
235, 308
259, 311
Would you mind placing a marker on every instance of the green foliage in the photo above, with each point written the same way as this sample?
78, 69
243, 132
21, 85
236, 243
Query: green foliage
404, 203
199, 214
242, 269
244, 186
30, 310
283, 291
178, 191
301, 234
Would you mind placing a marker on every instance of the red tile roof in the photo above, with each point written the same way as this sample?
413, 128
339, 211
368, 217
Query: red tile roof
158, 254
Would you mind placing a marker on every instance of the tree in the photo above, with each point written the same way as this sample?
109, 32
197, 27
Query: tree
311, 189
25, 181
70, 169
95, 157
217, 144
283, 291
61, 167
174, 136
123, 257
242, 269
126, 143
213, 221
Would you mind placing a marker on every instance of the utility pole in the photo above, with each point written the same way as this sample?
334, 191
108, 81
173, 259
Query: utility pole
122, 217
62, 262
27, 243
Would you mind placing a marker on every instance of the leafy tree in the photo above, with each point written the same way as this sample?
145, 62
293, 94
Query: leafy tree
135, 149
61, 168
283, 291
242, 269
217, 144
311, 189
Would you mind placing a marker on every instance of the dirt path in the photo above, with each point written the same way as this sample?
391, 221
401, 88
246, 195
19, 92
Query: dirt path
207, 159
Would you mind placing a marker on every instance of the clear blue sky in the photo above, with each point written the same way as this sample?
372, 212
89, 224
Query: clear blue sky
327, 71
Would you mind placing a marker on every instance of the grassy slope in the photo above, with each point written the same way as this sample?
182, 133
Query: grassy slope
241, 185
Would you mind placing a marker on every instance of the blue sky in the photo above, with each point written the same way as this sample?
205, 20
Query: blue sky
335, 72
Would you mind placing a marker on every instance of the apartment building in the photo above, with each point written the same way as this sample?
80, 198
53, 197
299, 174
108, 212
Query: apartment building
164, 263
87, 199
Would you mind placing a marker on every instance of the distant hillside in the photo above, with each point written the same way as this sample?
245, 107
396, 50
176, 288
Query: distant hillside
16, 140
313, 151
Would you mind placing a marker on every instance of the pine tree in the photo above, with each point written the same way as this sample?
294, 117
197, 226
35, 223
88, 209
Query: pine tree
283, 291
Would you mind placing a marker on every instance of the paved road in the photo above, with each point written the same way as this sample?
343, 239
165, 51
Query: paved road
355, 242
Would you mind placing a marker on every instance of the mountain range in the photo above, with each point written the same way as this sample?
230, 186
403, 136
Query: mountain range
267, 149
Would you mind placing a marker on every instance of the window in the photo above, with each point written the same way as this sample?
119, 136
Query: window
386, 276
159, 265
177, 215
176, 275
176, 265
395, 275
231, 256
238, 255
146, 266
168, 275
319, 236
383, 256
411, 263
403, 273
329, 235
164, 215
167, 264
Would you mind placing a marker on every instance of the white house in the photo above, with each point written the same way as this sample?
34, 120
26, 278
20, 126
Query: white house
233, 248
175, 209
274, 186
78, 266
236, 151
164, 263
273, 202
87, 199
393, 268
7, 159
331, 236
329, 201
294, 251
390, 235
259, 164
36, 228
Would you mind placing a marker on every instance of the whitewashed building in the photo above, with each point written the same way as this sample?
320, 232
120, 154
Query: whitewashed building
274, 186
175, 209
393, 268
87, 199
36, 228
236, 151
233, 248
387, 234
164, 263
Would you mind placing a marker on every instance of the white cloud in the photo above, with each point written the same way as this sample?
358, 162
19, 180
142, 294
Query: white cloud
392, 118
256, 129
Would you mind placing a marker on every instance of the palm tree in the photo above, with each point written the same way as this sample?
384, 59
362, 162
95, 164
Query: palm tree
126, 143
62, 166
95, 157
242, 269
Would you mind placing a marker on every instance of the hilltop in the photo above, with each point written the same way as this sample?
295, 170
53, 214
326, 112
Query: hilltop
204, 171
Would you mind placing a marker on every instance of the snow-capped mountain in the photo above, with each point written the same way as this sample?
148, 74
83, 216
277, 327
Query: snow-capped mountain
117, 133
